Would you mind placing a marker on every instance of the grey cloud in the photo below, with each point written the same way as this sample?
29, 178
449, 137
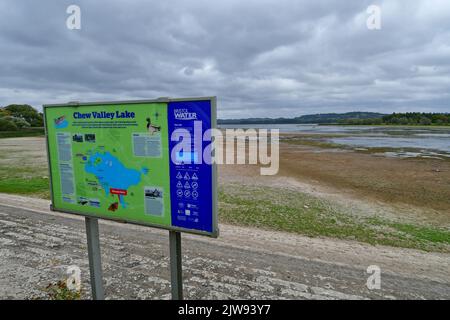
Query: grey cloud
261, 58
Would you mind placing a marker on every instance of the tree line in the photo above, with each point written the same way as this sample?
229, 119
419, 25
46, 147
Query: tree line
321, 118
408, 118
16, 117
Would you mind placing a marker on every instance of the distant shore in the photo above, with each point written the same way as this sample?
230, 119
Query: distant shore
337, 124
387, 125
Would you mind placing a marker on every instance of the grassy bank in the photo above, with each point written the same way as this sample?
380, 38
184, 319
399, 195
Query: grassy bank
30, 132
25, 180
23, 167
292, 211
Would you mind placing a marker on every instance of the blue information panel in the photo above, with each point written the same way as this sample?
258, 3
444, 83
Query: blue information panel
191, 174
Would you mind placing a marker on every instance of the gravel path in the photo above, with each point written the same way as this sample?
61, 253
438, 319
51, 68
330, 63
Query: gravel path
37, 246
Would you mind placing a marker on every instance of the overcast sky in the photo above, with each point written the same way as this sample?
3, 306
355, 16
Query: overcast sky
260, 58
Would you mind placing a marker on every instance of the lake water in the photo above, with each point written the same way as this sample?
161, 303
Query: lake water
405, 141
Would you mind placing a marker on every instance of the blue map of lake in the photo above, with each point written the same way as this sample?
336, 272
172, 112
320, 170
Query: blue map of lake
111, 173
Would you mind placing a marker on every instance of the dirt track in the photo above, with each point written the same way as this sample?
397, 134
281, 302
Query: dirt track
38, 245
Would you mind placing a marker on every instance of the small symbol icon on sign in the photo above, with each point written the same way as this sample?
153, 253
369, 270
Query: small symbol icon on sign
186, 176
187, 185
179, 175
179, 193
194, 185
194, 194
179, 184
194, 177
187, 193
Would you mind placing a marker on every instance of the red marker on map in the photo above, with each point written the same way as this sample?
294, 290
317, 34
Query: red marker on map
119, 192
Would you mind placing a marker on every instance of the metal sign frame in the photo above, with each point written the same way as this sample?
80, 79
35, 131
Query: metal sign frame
91, 220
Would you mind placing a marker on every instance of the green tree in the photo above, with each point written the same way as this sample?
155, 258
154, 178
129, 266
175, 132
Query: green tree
26, 112
425, 121
6, 125
4, 112
19, 122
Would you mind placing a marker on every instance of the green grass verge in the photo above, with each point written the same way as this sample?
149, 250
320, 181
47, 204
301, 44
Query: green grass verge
31, 181
32, 186
32, 132
291, 211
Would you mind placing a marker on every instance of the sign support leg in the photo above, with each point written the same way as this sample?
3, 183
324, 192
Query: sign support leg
175, 265
95, 262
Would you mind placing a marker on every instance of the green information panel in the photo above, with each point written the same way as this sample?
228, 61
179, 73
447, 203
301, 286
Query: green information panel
113, 161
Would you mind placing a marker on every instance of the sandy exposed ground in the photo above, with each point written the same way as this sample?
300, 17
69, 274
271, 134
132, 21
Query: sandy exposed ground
406, 190
37, 246
29, 151
419, 185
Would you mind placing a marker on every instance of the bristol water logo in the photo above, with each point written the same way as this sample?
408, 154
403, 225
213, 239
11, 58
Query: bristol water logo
184, 114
